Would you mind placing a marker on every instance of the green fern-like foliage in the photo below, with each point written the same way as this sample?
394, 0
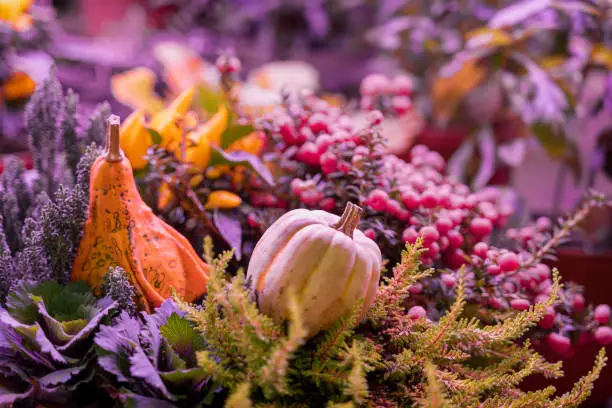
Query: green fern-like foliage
388, 360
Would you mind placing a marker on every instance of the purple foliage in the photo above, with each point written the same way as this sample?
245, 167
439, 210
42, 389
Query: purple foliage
46, 339
153, 356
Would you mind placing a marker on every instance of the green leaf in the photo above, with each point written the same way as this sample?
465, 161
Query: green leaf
209, 99
235, 132
558, 146
220, 157
155, 136
183, 338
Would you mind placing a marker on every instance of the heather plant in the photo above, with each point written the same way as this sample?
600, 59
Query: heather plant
46, 340
396, 357
43, 210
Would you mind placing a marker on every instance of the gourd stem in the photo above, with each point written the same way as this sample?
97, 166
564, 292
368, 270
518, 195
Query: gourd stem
113, 149
349, 220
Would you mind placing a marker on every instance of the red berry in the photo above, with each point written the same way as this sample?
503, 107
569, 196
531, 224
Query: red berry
444, 243
495, 303
416, 288
367, 103
410, 235
375, 117
543, 224
481, 227
558, 343
433, 250
448, 280
288, 132
227, 64
374, 84
429, 199
252, 221
344, 167
508, 262
578, 303
402, 85
370, 233
493, 270
416, 312
548, 321
318, 123
323, 142
456, 258
401, 104
429, 234
519, 304
444, 225
602, 314
328, 204
603, 335
297, 186
377, 200
480, 250
329, 162
393, 207
311, 197
418, 150
411, 200
309, 154
455, 239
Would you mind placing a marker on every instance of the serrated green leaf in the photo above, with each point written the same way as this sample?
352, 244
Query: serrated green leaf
155, 136
183, 338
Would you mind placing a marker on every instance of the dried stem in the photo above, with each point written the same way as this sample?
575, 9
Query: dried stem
350, 219
113, 153
567, 227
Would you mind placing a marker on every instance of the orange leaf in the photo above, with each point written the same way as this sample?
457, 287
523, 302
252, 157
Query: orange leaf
601, 55
18, 86
487, 37
135, 88
448, 92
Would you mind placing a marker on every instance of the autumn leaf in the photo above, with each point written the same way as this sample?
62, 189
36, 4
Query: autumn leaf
448, 92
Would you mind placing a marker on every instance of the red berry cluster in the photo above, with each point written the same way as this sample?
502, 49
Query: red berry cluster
390, 95
325, 159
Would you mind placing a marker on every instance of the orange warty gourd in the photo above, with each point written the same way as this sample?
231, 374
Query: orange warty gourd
122, 230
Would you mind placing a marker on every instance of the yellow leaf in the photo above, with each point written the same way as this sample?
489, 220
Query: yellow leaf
135, 139
169, 122
135, 88
198, 150
252, 143
448, 92
552, 62
601, 55
487, 37
223, 200
10, 10
18, 86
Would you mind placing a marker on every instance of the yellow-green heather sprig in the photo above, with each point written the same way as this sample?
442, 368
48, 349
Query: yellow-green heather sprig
389, 360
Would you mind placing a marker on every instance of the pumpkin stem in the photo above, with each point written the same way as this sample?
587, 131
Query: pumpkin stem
349, 220
113, 151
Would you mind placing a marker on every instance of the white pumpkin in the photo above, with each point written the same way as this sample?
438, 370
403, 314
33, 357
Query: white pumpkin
329, 264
